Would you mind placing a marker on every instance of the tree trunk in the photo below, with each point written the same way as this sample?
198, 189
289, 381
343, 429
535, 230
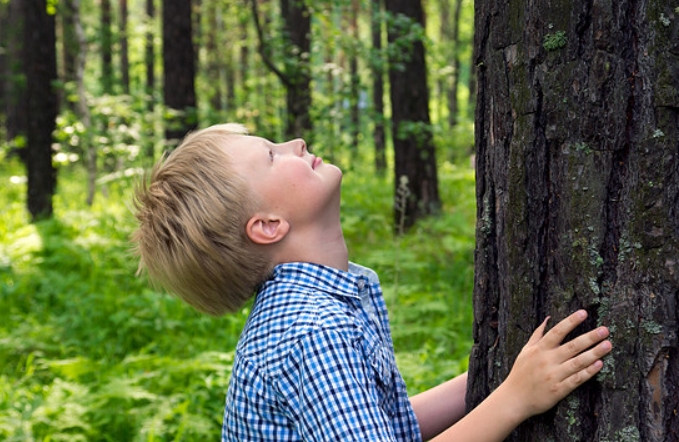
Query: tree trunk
106, 41
214, 54
149, 63
4, 36
455, 80
15, 84
124, 59
379, 135
297, 29
69, 47
82, 107
149, 54
244, 63
179, 70
354, 79
40, 68
414, 153
296, 75
577, 123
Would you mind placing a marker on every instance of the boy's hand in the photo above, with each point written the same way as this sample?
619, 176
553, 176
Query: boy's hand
546, 371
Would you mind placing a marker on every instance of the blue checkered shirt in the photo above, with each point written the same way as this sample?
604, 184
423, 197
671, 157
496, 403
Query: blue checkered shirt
316, 362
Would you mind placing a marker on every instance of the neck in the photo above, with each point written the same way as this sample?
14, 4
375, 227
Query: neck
319, 246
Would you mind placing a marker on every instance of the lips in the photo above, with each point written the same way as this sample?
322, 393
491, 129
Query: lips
316, 162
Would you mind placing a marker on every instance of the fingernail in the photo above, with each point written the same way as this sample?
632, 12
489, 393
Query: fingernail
582, 314
602, 331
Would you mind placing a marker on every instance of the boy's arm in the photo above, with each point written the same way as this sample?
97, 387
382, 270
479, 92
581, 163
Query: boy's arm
440, 407
544, 373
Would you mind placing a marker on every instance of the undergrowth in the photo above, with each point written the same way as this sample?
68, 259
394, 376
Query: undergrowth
89, 352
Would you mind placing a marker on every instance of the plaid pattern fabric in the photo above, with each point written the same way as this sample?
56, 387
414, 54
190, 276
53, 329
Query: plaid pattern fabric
316, 362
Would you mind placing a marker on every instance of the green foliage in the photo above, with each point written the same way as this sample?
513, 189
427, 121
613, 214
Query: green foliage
555, 41
88, 352
118, 125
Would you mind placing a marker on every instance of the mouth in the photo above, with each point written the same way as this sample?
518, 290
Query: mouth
315, 162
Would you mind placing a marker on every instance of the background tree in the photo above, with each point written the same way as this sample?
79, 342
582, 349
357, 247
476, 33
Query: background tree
354, 76
377, 66
414, 152
16, 118
577, 190
78, 50
4, 37
68, 15
149, 68
452, 33
178, 69
106, 48
295, 74
39, 66
124, 51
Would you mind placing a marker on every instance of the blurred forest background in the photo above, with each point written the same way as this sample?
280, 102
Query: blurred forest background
92, 92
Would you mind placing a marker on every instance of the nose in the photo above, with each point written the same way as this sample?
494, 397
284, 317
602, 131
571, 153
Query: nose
295, 147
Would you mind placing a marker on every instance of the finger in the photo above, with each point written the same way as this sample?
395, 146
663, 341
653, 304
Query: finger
587, 358
557, 334
538, 333
586, 365
583, 342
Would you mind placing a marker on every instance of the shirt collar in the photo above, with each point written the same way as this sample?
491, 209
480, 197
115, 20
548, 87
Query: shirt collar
318, 277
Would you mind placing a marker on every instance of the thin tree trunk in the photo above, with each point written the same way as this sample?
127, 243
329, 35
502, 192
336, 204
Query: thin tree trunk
149, 57
355, 80
69, 48
213, 55
455, 80
82, 108
297, 28
577, 192
295, 75
106, 41
244, 64
4, 25
149, 62
414, 152
379, 132
124, 57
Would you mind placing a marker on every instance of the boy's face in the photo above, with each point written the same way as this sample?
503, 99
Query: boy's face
287, 178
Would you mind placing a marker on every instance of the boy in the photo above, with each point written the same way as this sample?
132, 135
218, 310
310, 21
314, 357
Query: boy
228, 214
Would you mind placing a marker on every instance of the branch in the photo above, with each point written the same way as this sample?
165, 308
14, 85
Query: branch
264, 49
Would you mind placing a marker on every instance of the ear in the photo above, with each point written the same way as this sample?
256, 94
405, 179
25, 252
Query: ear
266, 229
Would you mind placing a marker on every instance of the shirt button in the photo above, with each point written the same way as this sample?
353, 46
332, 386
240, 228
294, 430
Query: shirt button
361, 284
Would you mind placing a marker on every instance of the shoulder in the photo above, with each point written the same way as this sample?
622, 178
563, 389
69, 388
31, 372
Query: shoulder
287, 321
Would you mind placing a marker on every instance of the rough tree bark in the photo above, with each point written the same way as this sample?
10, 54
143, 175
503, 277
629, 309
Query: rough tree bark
577, 129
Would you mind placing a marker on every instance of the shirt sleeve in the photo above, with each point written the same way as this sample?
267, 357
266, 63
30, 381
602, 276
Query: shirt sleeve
332, 391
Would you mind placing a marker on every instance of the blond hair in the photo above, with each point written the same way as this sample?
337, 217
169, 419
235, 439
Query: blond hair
192, 214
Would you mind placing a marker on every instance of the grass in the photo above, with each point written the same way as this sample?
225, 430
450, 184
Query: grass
89, 352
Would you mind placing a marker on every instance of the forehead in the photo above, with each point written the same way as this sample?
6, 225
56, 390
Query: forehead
247, 154
237, 145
